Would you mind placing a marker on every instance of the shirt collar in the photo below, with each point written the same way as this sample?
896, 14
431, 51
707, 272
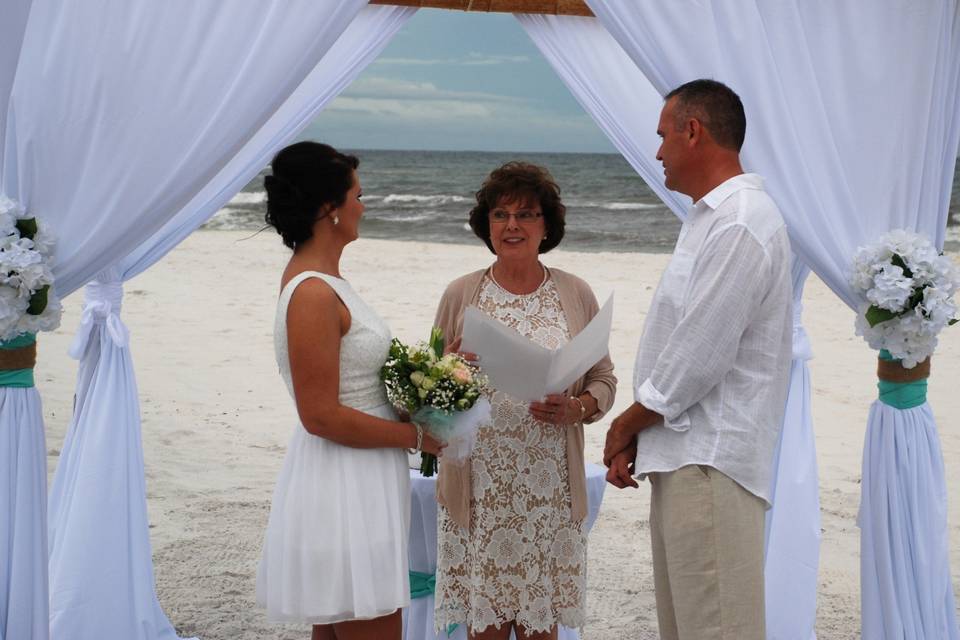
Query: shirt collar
726, 189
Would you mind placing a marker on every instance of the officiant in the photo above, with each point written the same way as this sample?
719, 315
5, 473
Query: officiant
511, 544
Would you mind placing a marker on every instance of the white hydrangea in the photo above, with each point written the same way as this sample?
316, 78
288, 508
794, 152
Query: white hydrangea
891, 289
12, 307
25, 269
919, 296
48, 320
10, 212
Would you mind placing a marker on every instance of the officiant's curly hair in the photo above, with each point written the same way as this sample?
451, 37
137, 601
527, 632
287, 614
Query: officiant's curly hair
716, 106
309, 180
527, 183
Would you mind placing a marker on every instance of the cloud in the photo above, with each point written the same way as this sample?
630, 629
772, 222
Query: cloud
408, 109
428, 105
471, 59
396, 88
435, 110
384, 112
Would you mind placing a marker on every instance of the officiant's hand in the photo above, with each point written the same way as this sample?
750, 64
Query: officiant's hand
454, 347
620, 473
557, 409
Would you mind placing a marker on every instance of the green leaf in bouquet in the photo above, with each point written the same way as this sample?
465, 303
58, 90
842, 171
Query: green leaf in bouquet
915, 298
437, 342
38, 301
897, 260
27, 228
952, 322
875, 315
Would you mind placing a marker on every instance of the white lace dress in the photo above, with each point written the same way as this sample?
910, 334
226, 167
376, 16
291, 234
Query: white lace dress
335, 548
523, 558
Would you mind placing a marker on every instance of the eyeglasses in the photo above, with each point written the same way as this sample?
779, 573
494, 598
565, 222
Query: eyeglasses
499, 216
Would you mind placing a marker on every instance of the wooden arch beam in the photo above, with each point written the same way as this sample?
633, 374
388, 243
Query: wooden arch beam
553, 7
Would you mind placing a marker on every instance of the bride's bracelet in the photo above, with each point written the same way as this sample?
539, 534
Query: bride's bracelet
419, 446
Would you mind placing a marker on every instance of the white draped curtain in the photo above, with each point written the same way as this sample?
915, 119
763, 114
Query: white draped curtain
853, 114
23, 479
626, 106
125, 126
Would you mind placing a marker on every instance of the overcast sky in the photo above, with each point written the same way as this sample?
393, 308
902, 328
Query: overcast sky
459, 81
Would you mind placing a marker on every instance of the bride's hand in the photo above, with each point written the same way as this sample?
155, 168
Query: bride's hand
432, 445
454, 347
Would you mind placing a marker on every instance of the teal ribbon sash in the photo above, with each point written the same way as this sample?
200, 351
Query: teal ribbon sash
17, 378
423, 585
901, 395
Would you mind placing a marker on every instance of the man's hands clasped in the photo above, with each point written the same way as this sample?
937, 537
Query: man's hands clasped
620, 449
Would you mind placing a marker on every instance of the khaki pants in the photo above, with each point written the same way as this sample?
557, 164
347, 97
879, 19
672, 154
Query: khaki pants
707, 534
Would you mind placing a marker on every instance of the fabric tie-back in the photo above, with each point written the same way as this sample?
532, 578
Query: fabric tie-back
19, 377
101, 573
802, 350
596, 69
422, 584
792, 532
901, 395
102, 305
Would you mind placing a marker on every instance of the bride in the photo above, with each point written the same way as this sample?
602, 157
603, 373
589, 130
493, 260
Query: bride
335, 549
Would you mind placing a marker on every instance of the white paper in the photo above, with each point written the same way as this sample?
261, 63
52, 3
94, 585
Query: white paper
526, 370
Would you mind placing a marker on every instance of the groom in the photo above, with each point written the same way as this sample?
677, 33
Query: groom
710, 378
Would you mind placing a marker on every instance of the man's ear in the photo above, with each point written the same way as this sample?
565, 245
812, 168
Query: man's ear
694, 131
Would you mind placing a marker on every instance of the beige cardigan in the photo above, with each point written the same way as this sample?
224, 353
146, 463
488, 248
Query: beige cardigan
580, 306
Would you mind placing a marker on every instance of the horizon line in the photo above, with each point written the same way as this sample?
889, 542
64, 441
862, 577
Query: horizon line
592, 153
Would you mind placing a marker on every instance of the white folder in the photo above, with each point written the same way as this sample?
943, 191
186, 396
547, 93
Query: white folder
525, 370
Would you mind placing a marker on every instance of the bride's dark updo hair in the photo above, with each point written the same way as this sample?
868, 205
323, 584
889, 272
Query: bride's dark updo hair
309, 179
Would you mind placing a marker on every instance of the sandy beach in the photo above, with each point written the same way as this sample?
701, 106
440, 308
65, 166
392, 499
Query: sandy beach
216, 419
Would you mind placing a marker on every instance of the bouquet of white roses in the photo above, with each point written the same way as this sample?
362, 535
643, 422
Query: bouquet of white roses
909, 288
443, 393
27, 301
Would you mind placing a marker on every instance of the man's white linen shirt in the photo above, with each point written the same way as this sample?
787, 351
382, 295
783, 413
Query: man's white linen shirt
714, 358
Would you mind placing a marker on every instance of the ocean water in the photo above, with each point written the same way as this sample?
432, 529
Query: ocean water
427, 195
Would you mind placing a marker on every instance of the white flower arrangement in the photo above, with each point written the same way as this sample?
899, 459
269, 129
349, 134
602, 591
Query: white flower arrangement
442, 392
27, 301
908, 287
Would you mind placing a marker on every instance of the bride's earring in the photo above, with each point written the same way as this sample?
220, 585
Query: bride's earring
336, 219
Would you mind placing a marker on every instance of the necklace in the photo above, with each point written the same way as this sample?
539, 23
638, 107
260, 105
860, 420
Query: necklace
542, 282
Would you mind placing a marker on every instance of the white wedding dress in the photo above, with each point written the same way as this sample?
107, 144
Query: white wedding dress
335, 548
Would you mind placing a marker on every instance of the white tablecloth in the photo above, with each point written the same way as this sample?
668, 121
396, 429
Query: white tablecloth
418, 618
